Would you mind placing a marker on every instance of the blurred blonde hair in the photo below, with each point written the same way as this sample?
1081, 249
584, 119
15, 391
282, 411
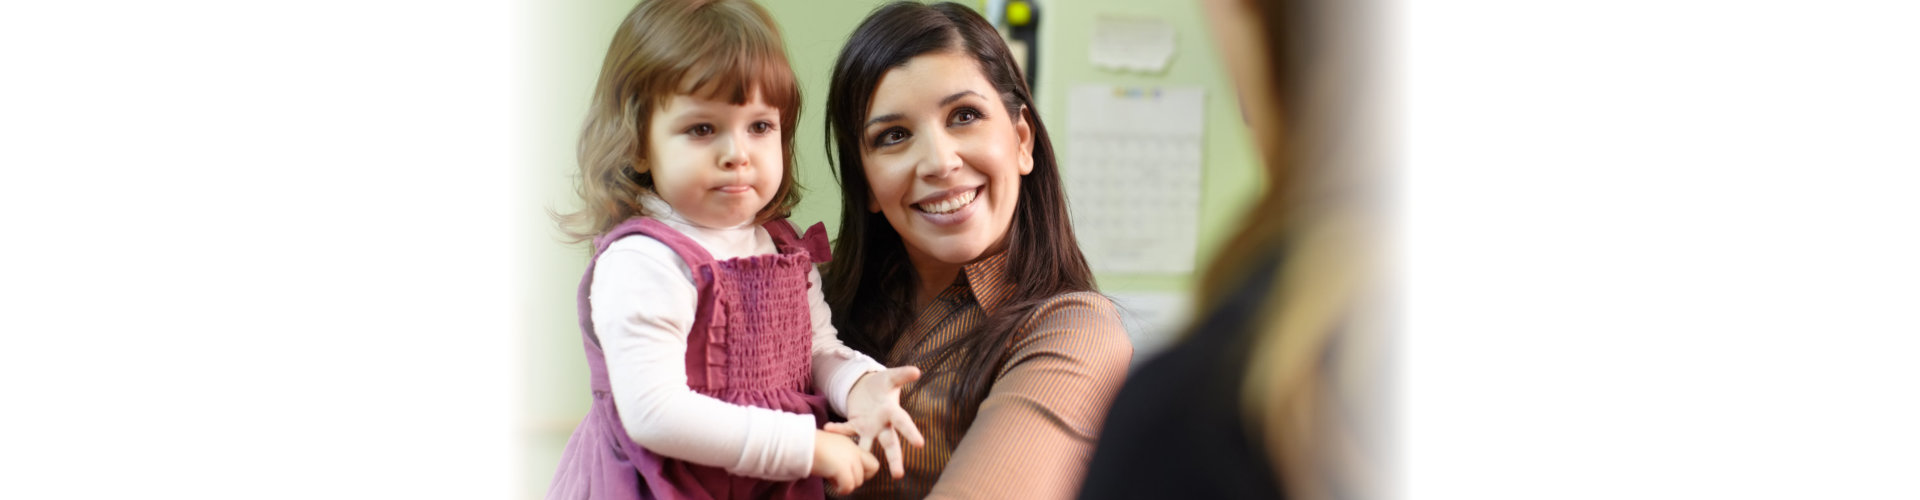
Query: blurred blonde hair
1313, 391
707, 49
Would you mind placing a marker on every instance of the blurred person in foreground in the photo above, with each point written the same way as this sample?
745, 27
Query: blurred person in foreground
1275, 391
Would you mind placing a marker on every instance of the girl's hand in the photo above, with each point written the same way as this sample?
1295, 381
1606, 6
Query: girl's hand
873, 410
836, 458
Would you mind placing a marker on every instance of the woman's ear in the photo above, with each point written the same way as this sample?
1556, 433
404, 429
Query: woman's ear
1024, 129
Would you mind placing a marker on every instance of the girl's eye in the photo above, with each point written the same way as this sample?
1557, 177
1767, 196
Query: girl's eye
701, 130
890, 137
965, 116
761, 127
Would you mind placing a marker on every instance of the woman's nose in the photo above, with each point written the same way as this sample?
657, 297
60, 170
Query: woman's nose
940, 158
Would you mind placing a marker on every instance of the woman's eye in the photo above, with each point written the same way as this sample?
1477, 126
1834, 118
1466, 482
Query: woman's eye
965, 116
890, 137
701, 130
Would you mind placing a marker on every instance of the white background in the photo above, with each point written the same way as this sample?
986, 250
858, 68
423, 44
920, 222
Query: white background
1664, 249
1658, 249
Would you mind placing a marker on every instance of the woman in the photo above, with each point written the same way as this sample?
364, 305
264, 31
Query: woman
956, 255
1275, 391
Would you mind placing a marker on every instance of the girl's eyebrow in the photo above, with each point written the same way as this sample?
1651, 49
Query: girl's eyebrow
943, 102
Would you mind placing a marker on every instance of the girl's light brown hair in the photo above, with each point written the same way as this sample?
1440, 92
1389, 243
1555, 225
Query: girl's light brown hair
707, 49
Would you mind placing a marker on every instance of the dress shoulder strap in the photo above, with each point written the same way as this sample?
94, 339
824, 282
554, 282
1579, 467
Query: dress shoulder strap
682, 245
787, 239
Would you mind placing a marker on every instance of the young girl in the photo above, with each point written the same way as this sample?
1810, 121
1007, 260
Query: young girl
707, 335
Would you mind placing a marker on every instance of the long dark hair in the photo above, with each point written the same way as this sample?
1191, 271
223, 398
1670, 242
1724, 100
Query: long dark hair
869, 283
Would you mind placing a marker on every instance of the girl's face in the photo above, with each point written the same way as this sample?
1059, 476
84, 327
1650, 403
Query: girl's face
717, 164
944, 158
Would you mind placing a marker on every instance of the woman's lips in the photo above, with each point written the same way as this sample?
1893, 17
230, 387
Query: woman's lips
947, 202
958, 207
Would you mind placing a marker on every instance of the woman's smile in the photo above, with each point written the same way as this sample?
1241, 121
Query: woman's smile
948, 207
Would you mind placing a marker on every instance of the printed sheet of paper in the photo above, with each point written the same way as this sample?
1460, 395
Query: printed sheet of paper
1132, 169
1153, 319
1131, 44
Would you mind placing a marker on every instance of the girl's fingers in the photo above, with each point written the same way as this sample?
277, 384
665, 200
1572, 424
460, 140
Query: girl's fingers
890, 443
902, 376
903, 424
866, 441
869, 465
841, 428
845, 481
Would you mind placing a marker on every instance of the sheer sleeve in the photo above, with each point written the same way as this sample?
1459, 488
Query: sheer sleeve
1036, 430
835, 366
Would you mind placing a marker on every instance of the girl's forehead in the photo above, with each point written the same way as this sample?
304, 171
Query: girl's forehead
685, 102
738, 79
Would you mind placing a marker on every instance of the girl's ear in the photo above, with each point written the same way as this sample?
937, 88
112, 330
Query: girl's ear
1024, 129
637, 157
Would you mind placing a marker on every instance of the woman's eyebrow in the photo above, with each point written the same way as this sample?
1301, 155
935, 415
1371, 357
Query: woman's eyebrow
957, 95
885, 118
943, 102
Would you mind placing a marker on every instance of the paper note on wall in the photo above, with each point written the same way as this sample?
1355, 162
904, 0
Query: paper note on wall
1131, 44
1132, 169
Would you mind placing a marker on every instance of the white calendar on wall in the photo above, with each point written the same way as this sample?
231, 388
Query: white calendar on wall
1132, 170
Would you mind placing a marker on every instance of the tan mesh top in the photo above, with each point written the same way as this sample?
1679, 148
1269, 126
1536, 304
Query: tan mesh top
1036, 429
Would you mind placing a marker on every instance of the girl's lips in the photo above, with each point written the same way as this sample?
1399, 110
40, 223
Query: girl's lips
740, 188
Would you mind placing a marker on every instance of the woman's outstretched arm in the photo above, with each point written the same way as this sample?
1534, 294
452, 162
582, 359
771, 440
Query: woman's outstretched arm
1037, 427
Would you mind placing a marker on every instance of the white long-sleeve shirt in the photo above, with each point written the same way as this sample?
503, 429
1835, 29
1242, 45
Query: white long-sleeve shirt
643, 301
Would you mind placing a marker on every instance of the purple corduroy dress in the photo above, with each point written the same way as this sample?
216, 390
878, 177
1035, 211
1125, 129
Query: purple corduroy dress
750, 344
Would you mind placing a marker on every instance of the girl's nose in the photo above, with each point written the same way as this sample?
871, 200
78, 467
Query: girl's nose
731, 154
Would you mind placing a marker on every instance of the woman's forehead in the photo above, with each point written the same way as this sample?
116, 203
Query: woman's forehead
929, 81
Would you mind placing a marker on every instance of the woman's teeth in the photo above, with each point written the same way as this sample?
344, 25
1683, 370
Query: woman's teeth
950, 204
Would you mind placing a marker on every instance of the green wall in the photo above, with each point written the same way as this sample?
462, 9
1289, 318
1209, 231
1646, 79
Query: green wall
567, 40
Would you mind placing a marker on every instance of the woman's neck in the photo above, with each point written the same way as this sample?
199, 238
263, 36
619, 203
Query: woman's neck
934, 277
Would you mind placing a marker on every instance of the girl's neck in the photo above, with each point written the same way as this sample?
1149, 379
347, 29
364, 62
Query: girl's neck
721, 242
659, 209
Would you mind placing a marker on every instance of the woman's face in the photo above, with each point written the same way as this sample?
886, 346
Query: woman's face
944, 158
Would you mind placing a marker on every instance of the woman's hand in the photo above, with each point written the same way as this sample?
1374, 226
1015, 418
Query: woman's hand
873, 410
837, 459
